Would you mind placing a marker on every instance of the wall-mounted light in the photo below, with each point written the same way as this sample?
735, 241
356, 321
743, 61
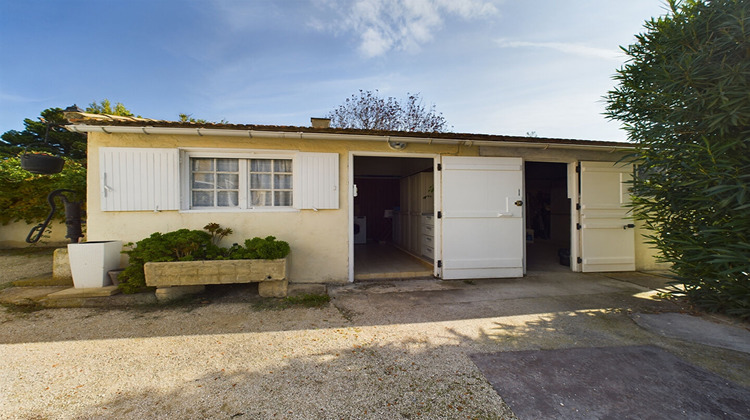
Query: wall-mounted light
396, 145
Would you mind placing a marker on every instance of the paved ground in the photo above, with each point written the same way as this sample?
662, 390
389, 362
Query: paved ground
385, 350
624, 382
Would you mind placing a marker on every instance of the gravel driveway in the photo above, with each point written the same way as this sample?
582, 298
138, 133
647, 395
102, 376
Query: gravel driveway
17, 264
384, 350
230, 361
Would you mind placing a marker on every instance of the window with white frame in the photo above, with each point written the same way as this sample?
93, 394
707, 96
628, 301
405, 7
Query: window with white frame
270, 182
240, 183
163, 179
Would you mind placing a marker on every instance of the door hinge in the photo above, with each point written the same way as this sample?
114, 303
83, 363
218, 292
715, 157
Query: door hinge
578, 206
579, 260
440, 263
440, 215
578, 226
578, 168
440, 166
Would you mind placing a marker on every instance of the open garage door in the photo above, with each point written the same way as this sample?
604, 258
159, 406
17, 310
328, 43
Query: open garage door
607, 234
482, 218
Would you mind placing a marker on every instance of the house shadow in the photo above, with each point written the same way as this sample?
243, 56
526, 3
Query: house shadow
367, 381
234, 309
341, 372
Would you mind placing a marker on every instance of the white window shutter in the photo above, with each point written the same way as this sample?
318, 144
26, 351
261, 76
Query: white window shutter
316, 181
139, 179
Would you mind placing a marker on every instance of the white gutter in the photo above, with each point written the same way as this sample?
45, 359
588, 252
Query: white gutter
178, 131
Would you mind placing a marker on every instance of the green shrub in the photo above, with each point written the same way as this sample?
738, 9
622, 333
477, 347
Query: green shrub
683, 98
23, 195
192, 245
267, 248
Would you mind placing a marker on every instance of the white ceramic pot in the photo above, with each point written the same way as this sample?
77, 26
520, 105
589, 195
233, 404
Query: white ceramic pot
90, 262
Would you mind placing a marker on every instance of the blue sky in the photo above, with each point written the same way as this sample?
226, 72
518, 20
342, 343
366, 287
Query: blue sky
490, 66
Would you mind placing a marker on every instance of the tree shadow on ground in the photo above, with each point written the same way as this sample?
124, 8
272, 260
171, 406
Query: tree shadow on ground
398, 371
240, 310
399, 380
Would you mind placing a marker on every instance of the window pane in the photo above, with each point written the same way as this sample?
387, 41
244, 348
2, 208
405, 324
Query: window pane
227, 199
260, 198
228, 181
282, 165
203, 181
227, 165
260, 165
282, 182
283, 198
203, 199
202, 165
260, 181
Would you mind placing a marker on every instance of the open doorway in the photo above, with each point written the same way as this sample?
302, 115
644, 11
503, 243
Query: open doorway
548, 217
393, 205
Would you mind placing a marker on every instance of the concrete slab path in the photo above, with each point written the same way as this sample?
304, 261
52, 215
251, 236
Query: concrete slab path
627, 382
696, 329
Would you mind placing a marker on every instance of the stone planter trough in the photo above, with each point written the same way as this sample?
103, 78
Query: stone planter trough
272, 275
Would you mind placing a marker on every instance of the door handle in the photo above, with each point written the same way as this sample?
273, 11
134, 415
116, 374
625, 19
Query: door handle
519, 203
629, 225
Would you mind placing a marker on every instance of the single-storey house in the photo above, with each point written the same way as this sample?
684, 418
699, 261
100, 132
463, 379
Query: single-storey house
462, 206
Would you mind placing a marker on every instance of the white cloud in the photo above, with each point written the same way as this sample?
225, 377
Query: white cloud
402, 25
567, 48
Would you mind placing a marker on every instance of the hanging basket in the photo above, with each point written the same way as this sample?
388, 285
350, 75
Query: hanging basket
42, 164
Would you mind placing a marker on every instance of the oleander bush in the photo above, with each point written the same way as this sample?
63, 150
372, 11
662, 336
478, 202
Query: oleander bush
683, 99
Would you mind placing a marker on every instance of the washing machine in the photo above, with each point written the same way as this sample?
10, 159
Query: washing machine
360, 230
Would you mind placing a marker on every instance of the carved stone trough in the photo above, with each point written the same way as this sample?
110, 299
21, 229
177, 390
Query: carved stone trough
174, 279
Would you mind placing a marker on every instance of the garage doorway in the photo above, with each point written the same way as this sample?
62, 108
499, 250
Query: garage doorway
392, 198
548, 216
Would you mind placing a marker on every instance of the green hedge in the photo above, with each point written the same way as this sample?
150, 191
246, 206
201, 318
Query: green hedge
23, 195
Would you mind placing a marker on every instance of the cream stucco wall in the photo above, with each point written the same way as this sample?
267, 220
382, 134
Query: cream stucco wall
645, 254
13, 235
319, 239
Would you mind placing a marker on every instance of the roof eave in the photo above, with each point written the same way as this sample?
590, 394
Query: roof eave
425, 138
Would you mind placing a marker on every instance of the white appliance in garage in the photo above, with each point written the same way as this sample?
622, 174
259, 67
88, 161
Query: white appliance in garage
360, 230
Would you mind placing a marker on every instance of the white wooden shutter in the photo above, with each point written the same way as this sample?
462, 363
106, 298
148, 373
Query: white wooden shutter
316, 181
139, 179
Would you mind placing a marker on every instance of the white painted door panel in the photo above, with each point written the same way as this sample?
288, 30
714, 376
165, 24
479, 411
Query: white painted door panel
482, 226
607, 240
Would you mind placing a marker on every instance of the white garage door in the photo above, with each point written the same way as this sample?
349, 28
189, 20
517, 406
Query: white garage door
482, 218
607, 234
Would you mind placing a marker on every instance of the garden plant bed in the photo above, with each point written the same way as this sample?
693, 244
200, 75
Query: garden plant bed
270, 274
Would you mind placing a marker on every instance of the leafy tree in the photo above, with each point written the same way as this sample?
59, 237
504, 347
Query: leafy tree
45, 135
189, 118
48, 134
106, 108
368, 111
23, 195
683, 98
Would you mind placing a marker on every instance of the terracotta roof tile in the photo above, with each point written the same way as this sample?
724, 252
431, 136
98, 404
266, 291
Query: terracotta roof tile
116, 120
